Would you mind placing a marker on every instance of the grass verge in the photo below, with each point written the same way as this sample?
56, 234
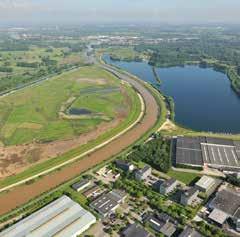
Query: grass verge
184, 177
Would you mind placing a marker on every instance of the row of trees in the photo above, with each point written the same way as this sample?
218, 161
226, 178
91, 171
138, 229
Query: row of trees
6, 69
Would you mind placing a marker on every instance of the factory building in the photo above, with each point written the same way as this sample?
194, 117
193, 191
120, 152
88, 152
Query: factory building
61, 218
222, 154
226, 205
108, 202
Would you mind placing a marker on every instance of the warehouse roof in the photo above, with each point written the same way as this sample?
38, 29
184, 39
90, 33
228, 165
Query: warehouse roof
91, 190
205, 182
215, 152
218, 216
237, 213
219, 141
104, 204
220, 155
134, 230
108, 201
227, 201
117, 195
188, 151
80, 184
62, 217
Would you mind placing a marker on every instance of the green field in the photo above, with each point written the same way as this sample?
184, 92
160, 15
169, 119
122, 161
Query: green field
124, 53
134, 111
22, 63
184, 177
33, 113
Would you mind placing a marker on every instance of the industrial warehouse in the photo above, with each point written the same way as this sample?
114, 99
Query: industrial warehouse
62, 217
216, 153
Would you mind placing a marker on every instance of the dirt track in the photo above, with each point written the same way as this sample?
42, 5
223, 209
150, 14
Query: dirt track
22, 194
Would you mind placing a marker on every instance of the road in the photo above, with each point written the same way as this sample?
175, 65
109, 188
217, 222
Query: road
24, 193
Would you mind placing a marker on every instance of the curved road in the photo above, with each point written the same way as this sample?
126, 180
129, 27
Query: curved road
22, 194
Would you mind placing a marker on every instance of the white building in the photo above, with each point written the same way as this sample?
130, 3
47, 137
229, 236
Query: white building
61, 218
108, 202
168, 186
189, 196
143, 173
205, 184
79, 186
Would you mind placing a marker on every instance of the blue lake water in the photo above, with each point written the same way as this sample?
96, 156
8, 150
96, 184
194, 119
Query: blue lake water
204, 99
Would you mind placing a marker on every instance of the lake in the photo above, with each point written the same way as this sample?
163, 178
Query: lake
204, 99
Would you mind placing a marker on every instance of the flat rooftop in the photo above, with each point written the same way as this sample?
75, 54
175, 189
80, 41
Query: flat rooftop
220, 155
188, 151
215, 152
104, 204
169, 182
205, 182
80, 184
61, 218
218, 216
135, 230
237, 145
227, 201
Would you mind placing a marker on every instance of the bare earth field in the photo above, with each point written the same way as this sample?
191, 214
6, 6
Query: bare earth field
15, 159
22, 194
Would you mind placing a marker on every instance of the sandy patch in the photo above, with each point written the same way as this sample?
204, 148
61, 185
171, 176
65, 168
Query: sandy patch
98, 81
168, 126
15, 159
30, 125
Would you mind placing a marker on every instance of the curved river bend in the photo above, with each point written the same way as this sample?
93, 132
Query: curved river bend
204, 99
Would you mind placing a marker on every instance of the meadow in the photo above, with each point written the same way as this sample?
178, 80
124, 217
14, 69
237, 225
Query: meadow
32, 114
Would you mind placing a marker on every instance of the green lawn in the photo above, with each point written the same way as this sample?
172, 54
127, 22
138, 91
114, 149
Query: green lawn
184, 177
33, 113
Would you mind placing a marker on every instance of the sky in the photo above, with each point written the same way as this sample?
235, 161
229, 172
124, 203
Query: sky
119, 11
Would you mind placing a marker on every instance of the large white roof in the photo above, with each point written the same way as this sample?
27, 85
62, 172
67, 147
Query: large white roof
63, 217
206, 182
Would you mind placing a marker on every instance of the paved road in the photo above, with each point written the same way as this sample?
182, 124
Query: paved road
22, 194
